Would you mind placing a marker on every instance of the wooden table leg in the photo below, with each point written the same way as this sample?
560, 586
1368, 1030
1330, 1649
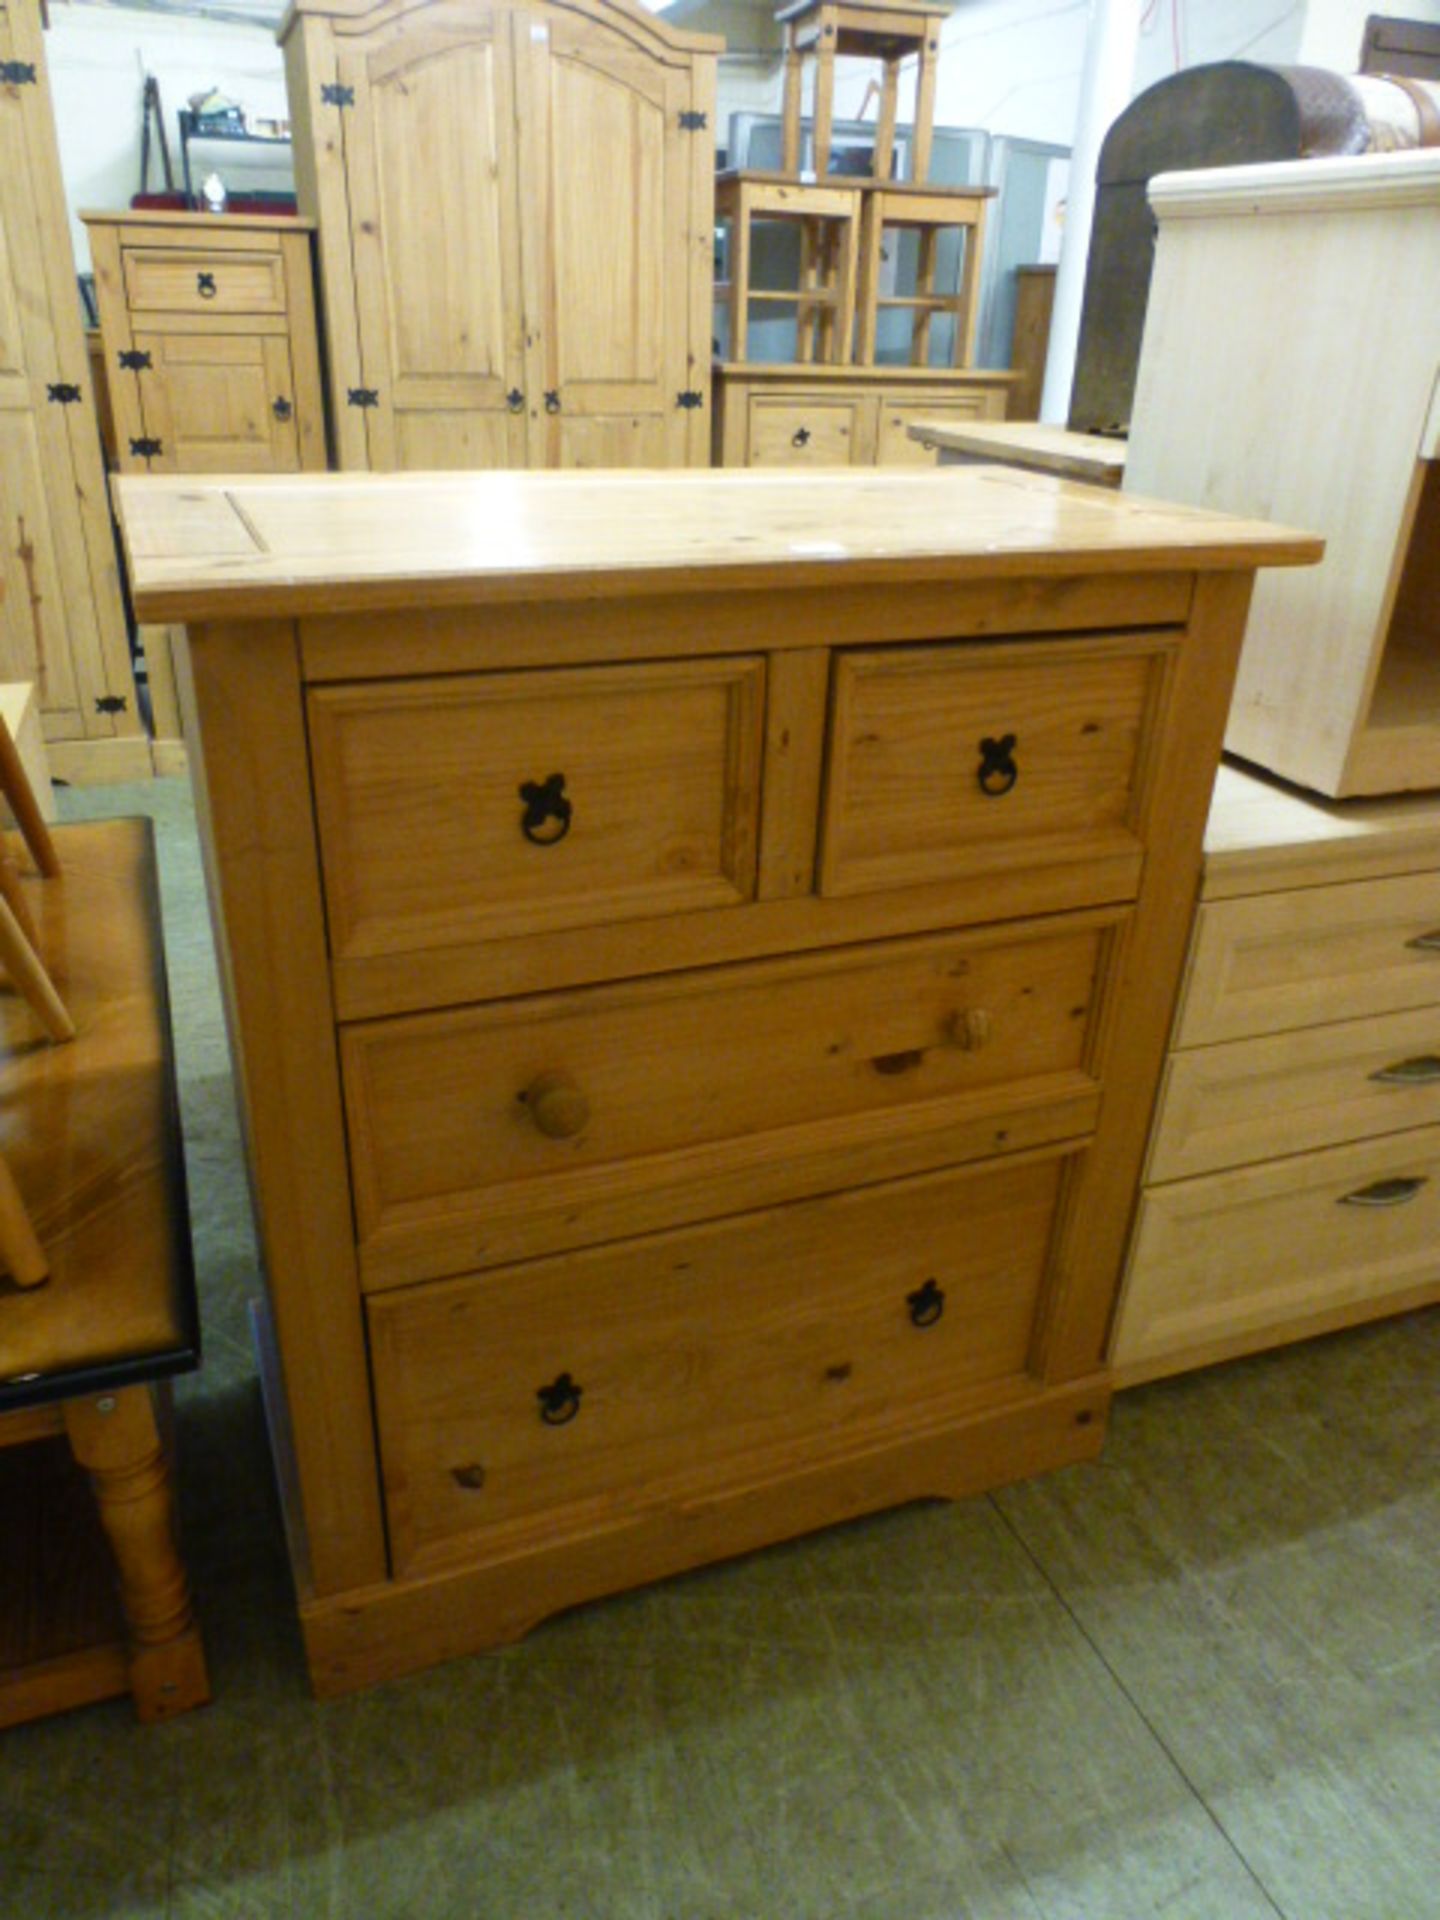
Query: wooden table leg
116, 1438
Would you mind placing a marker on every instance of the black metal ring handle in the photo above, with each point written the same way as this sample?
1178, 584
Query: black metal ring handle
560, 1401
282, 408
997, 772
545, 803
205, 286
515, 400
926, 1304
552, 401
800, 437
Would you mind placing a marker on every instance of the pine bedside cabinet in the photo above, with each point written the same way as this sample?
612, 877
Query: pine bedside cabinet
700, 949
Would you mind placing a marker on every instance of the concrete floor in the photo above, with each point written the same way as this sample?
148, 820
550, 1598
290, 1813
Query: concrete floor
1200, 1679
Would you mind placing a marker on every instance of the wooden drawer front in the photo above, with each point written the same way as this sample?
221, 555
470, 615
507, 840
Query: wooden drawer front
443, 803
162, 280
957, 760
898, 411
1283, 960
744, 1346
1318, 1087
806, 433
1231, 1254
520, 1109
219, 403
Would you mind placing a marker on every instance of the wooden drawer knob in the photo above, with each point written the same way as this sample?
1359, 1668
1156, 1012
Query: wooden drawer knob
557, 1106
970, 1028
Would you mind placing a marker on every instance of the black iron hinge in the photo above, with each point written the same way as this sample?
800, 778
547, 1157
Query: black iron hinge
336, 96
111, 703
134, 359
363, 396
692, 121
146, 449
690, 399
63, 393
17, 73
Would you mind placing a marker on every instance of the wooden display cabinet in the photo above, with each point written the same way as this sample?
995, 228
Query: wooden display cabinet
1291, 366
699, 977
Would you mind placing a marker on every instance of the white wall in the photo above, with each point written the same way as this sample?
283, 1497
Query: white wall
98, 57
1333, 29
1014, 66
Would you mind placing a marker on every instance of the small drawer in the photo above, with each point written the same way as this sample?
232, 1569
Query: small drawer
567, 1394
894, 447
469, 1127
465, 809
804, 433
1277, 961
1232, 1257
166, 280
950, 762
1317, 1087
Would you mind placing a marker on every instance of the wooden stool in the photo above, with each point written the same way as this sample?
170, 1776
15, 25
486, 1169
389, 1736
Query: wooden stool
828, 219
928, 211
877, 30
92, 1135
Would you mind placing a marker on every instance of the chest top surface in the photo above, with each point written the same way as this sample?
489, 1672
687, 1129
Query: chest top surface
277, 546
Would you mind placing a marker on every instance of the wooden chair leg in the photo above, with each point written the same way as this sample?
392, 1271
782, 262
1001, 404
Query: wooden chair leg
13, 894
15, 785
21, 1253
25, 967
116, 1438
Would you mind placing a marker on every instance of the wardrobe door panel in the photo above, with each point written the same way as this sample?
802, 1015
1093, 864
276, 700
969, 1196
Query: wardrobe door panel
605, 247
430, 161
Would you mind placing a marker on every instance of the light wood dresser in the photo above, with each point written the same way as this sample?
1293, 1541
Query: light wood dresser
700, 952
1293, 1182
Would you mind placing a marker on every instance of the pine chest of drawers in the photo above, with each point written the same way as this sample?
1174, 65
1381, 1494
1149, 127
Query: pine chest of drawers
700, 950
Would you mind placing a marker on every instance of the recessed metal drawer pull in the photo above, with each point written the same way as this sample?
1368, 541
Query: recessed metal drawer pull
1386, 1193
560, 1401
926, 1304
1426, 942
1419, 1072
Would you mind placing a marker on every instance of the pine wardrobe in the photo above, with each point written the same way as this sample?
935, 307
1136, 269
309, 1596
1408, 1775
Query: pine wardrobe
62, 623
516, 222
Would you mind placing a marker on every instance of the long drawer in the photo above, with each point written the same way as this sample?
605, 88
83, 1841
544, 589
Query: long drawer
1310, 955
475, 807
1232, 1254
569, 1393
1316, 1087
950, 762
521, 1110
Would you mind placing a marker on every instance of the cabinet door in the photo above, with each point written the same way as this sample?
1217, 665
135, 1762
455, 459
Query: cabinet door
61, 624
606, 238
219, 403
430, 167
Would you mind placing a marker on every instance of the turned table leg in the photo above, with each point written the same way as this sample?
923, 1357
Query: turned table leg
116, 1438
